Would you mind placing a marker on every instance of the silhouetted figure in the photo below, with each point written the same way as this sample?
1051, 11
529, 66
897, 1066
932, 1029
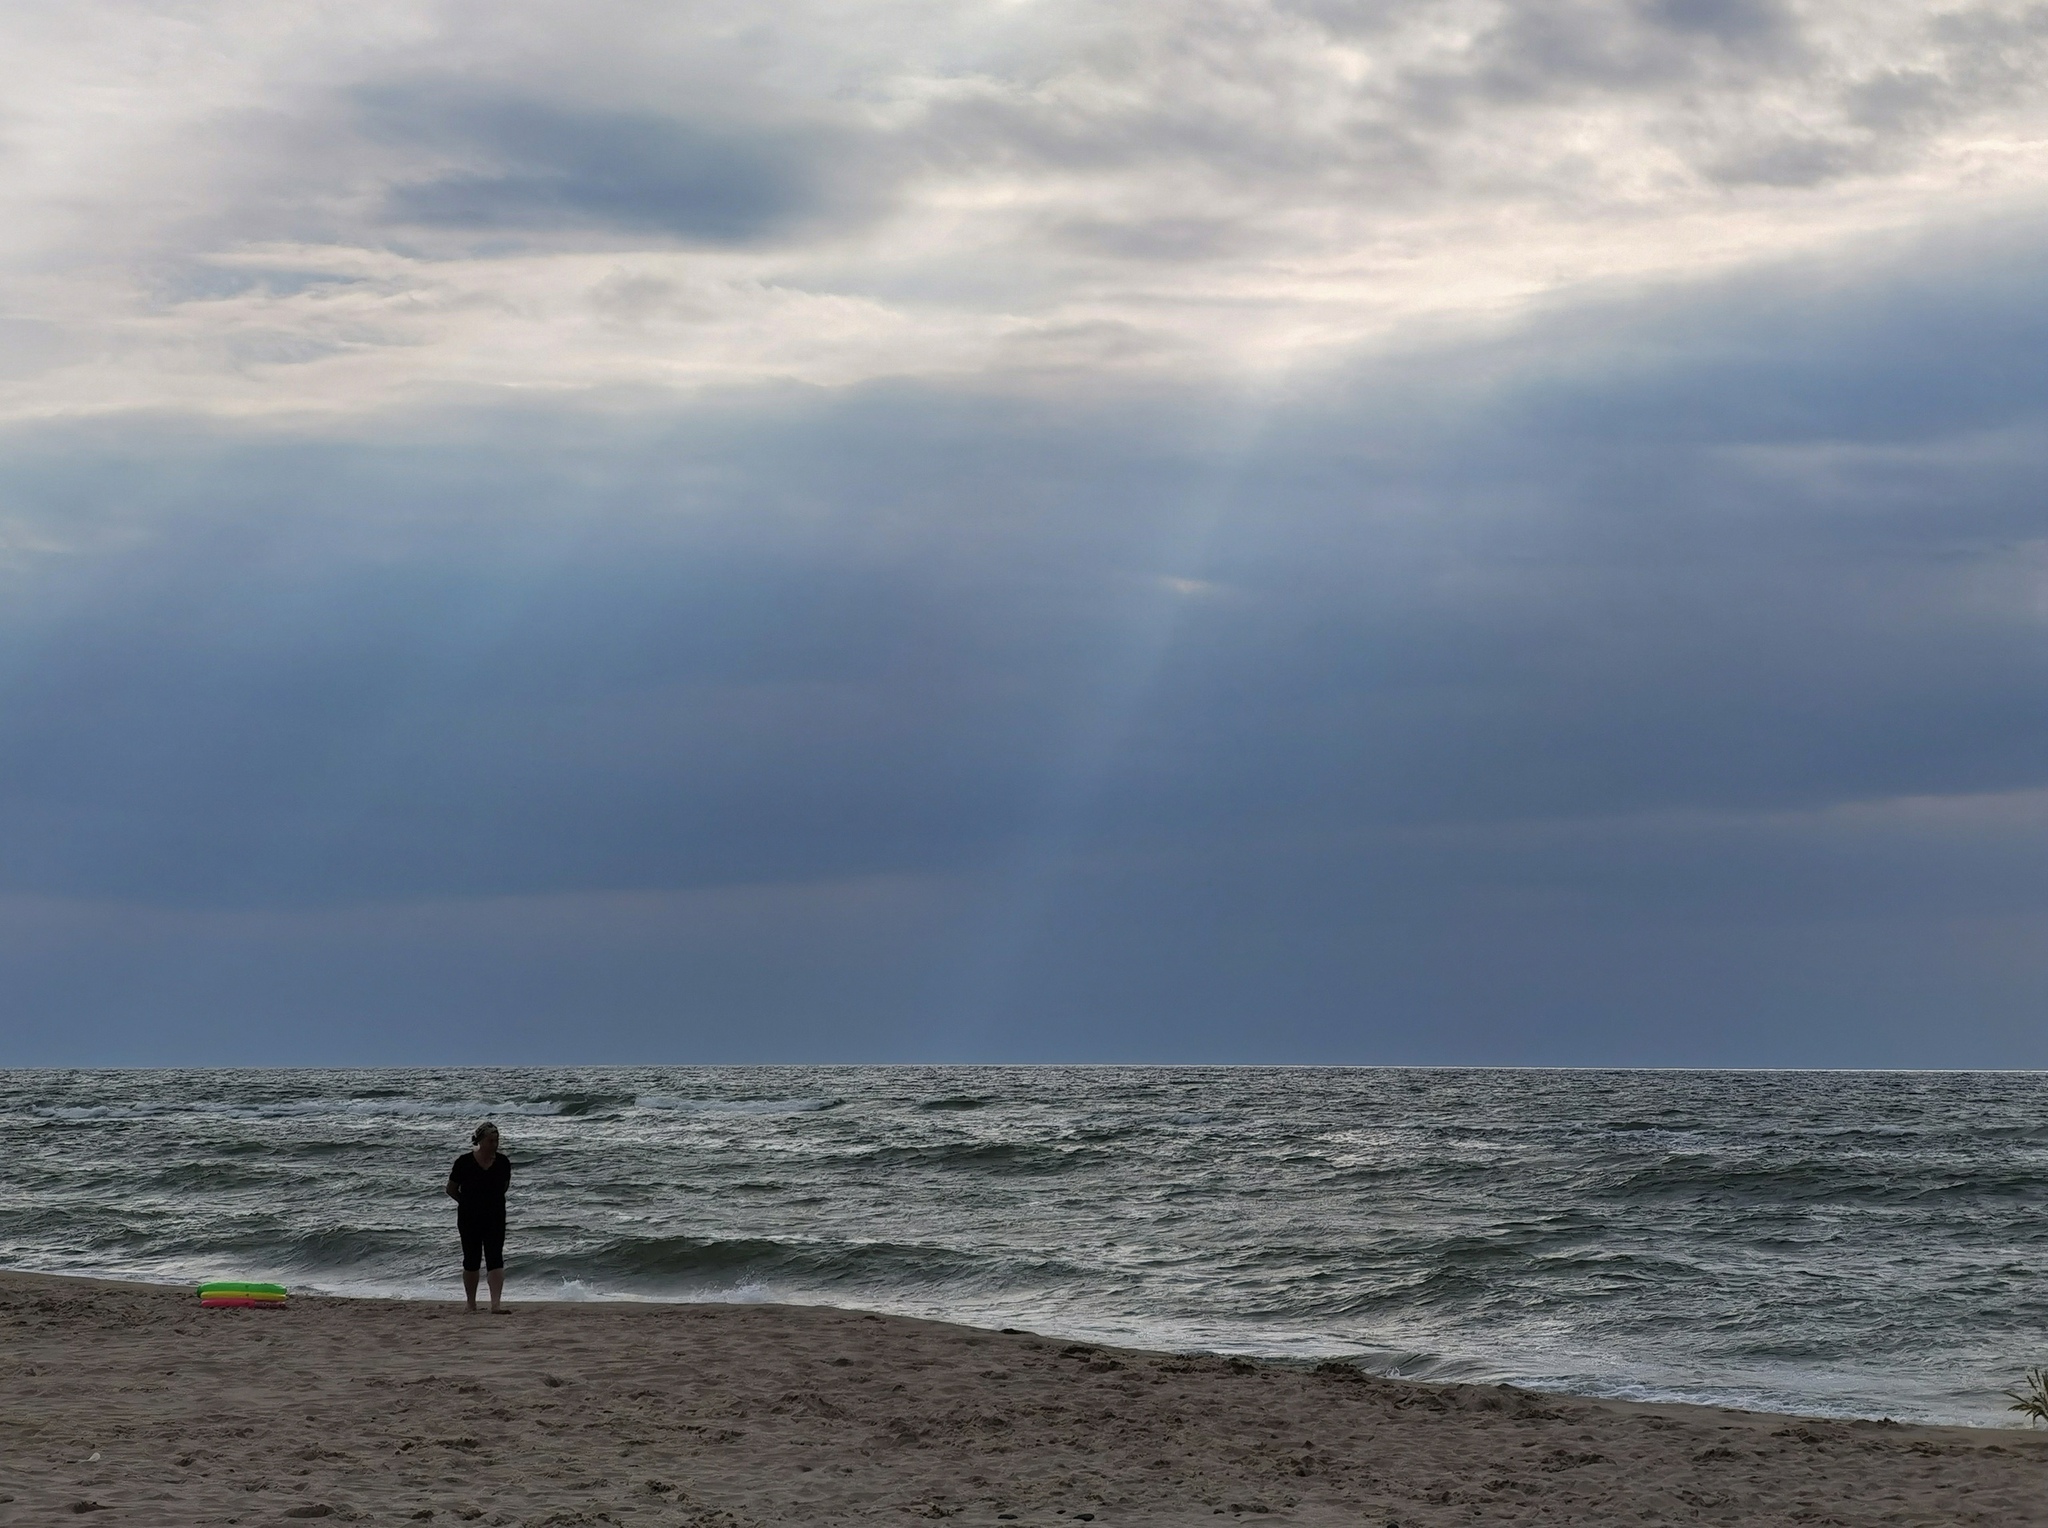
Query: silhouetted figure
477, 1185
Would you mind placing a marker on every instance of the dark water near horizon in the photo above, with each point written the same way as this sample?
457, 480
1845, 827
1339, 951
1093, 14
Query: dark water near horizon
1849, 1243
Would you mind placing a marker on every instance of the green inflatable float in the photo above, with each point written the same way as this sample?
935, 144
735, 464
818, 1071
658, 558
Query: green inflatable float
241, 1294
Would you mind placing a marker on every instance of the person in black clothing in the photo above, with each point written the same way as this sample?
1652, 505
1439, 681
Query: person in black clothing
477, 1185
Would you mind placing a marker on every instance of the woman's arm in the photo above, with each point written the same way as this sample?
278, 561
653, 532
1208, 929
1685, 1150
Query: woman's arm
454, 1192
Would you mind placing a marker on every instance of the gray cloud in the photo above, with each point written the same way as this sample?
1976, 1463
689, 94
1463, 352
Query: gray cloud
1554, 46
851, 197
1540, 99
515, 163
1618, 648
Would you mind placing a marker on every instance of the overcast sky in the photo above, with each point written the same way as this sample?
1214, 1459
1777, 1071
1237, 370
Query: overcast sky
1208, 530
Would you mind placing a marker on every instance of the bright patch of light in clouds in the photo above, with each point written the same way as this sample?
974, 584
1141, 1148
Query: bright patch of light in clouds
236, 208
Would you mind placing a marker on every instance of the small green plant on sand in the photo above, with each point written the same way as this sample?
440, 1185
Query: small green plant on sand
2030, 1397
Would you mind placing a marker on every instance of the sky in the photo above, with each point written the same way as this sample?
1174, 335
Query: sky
1296, 531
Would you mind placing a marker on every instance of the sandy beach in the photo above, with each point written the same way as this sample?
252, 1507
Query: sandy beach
128, 1403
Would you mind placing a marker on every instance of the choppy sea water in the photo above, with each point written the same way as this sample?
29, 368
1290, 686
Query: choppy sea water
1856, 1244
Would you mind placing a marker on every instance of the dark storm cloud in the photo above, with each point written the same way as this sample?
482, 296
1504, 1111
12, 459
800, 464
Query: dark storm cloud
1619, 649
520, 163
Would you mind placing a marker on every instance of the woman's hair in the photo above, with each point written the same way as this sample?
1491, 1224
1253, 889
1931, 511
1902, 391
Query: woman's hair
485, 1129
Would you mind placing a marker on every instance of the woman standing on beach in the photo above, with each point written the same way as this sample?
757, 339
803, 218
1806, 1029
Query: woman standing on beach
477, 1185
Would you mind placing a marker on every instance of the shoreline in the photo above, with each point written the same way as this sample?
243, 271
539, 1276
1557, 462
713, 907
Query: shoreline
1304, 1362
132, 1400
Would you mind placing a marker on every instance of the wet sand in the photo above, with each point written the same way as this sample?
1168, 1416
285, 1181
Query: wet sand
124, 1403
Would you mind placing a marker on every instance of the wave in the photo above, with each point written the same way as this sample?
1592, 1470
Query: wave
517, 1108
343, 1250
584, 1105
672, 1260
998, 1157
377, 1106
665, 1102
1807, 1181
213, 1177
314, 1109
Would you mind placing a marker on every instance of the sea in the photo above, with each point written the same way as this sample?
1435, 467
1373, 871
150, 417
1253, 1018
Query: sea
1842, 1244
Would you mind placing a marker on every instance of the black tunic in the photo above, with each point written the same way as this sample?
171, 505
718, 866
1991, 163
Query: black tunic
480, 1190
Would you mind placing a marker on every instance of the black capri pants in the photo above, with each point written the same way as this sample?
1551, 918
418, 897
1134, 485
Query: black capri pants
483, 1243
